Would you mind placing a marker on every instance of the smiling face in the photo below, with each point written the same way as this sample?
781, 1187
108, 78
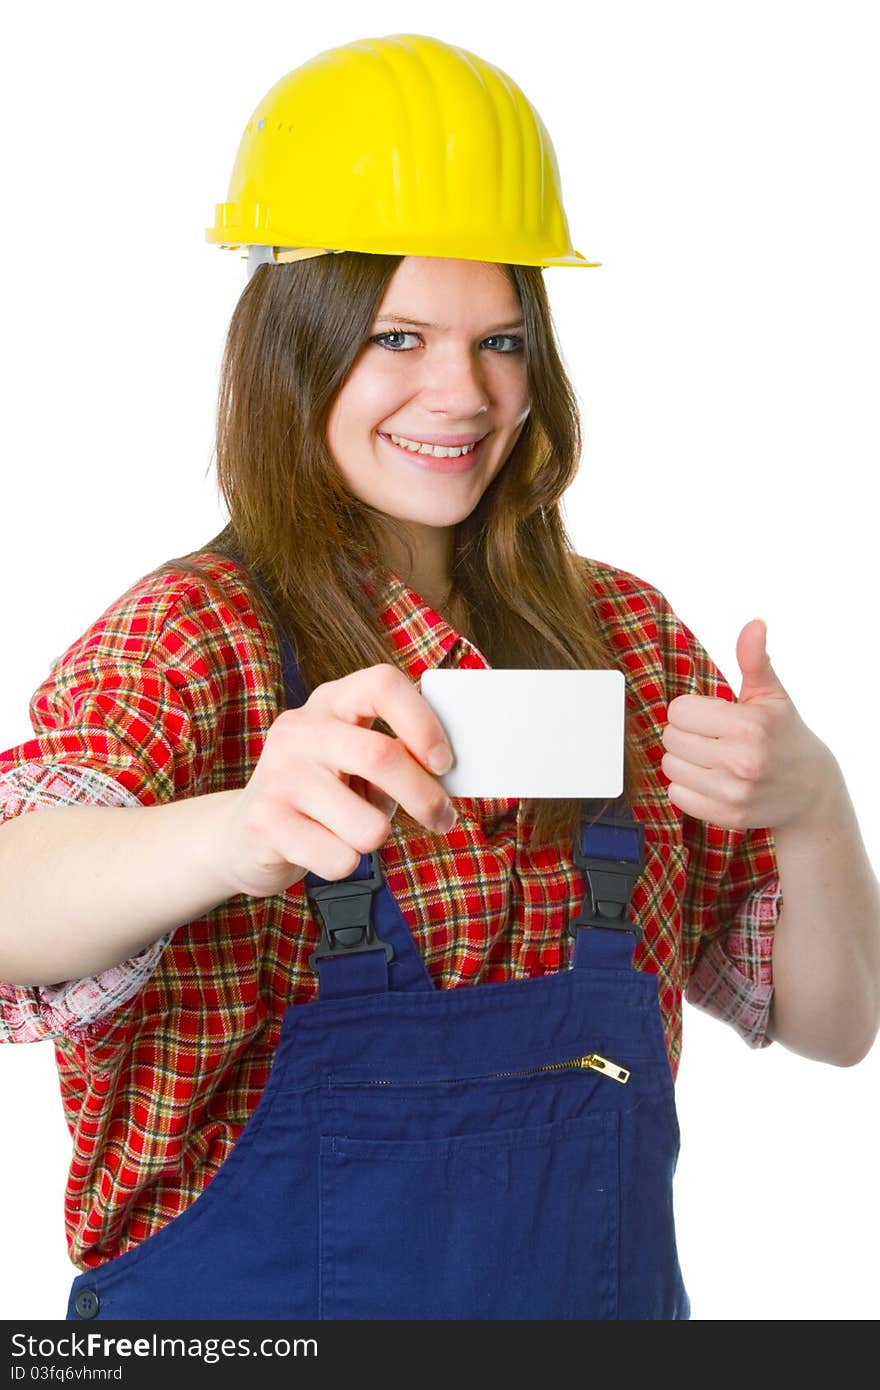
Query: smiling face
458, 376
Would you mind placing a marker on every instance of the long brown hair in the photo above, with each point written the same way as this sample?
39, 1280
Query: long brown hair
518, 590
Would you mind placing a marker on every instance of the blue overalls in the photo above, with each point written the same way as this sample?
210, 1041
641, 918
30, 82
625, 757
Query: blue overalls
495, 1151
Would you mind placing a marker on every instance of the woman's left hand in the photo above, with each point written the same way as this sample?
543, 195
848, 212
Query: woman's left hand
746, 765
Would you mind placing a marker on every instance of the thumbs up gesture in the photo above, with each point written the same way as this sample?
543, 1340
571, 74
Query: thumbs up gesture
746, 765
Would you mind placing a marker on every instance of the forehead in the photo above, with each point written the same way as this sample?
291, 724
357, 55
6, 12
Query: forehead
423, 283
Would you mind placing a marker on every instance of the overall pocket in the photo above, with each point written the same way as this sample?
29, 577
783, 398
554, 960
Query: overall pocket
512, 1223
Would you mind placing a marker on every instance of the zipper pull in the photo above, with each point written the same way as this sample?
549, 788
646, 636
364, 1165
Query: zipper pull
612, 1069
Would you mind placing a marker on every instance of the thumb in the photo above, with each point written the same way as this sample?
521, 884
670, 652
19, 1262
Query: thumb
758, 676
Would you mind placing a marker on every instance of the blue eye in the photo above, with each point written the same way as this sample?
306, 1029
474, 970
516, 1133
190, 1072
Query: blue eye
381, 340
511, 338
392, 333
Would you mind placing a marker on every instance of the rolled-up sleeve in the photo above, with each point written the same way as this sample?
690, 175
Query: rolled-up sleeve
732, 898
128, 716
732, 974
32, 1013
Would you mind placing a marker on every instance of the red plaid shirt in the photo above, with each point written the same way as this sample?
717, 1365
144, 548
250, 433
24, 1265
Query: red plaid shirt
170, 693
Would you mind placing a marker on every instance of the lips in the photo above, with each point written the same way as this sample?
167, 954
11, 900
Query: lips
430, 464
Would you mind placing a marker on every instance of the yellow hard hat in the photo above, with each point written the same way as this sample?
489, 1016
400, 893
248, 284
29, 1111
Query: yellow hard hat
403, 145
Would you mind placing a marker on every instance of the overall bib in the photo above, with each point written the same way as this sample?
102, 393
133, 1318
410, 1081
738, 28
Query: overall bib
495, 1151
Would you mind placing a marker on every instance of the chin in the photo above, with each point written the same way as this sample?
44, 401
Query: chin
435, 517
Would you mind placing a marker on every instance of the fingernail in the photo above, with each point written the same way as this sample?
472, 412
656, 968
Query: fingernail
440, 758
448, 818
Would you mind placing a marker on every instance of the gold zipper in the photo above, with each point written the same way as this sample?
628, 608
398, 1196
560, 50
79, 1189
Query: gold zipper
593, 1061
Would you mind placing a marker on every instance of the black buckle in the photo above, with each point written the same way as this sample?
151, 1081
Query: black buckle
609, 884
345, 912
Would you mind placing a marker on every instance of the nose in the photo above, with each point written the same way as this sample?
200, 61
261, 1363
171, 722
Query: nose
455, 385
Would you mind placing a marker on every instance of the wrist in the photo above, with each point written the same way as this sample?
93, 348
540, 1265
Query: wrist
826, 799
215, 844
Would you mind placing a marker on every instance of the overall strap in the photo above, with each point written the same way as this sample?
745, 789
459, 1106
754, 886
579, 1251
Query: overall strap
610, 853
366, 945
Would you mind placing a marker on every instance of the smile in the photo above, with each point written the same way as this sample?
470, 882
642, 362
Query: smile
432, 463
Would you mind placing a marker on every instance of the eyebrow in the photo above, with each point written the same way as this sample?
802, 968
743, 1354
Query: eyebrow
420, 323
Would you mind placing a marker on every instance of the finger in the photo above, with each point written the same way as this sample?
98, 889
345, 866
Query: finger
712, 784
704, 714
376, 797
385, 692
310, 845
386, 764
702, 808
692, 748
349, 818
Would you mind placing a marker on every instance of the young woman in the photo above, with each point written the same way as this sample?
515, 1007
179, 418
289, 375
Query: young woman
328, 1046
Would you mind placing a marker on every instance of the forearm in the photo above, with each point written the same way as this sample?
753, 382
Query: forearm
826, 953
85, 887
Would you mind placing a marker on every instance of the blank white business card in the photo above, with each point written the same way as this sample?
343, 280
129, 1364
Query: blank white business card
531, 733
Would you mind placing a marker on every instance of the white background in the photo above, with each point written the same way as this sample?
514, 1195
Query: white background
720, 161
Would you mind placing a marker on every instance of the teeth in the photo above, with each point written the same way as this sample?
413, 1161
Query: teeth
437, 450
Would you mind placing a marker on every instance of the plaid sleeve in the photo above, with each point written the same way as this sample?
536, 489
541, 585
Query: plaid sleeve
732, 896
128, 716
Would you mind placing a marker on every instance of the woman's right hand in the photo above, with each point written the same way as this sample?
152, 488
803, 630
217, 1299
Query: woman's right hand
326, 785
